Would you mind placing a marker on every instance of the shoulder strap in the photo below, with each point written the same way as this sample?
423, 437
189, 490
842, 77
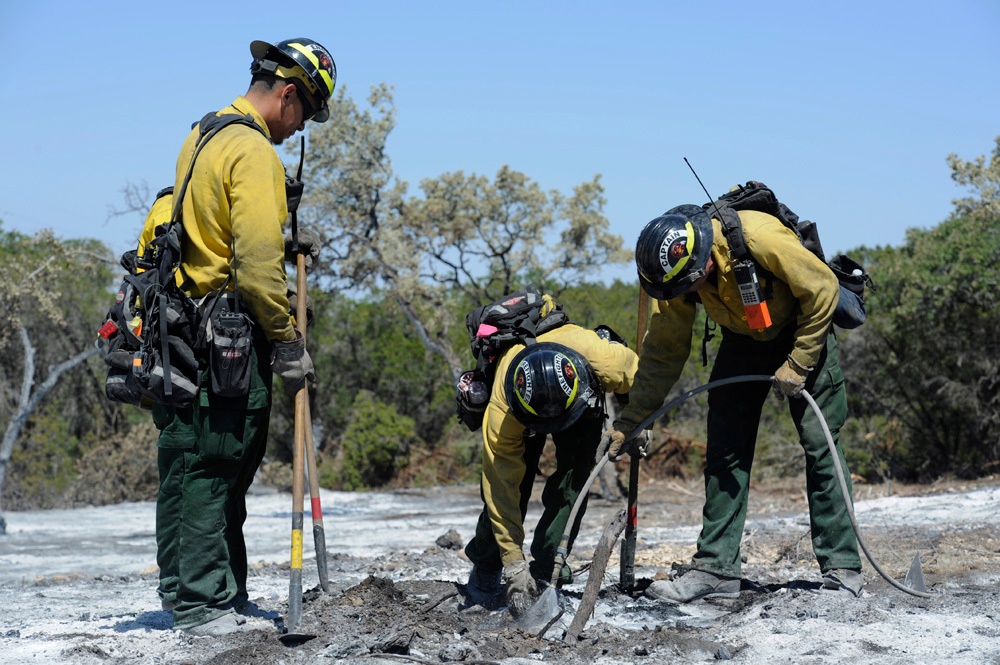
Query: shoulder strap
732, 228
209, 126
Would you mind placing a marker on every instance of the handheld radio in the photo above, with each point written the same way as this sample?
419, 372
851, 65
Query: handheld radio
754, 303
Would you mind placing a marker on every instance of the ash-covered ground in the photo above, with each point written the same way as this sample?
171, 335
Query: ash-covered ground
78, 587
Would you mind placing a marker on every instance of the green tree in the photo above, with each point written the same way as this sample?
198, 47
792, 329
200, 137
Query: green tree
466, 236
49, 295
928, 359
983, 178
367, 345
375, 444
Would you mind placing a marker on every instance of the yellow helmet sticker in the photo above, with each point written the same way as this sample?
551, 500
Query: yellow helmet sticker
676, 250
567, 373
522, 379
320, 61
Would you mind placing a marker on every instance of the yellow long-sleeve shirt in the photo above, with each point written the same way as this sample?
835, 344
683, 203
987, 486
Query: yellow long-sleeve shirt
503, 436
235, 199
804, 293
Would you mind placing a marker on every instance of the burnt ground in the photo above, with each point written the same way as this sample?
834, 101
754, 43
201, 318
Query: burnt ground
432, 621
403, 610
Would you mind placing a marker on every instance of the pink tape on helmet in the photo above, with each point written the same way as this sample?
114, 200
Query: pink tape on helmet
485, 330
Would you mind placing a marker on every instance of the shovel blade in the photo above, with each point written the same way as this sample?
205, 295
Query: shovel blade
545, 610
915, 575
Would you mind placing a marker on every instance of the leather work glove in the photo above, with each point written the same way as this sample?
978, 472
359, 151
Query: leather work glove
521, 587
293, 303
309, 244
616, 435
292, 363
790, 379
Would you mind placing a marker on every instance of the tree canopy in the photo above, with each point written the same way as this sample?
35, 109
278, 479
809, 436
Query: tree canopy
465, 237
398, 272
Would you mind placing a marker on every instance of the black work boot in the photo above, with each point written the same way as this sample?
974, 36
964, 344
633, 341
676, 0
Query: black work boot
484, 586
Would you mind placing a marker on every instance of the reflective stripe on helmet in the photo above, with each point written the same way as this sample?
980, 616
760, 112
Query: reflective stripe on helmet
324, 69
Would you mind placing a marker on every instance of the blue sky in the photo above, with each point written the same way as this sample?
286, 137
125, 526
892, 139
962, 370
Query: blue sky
846, 109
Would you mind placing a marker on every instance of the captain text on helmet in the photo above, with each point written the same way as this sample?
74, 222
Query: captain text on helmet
555, 386
233, 211
775, 317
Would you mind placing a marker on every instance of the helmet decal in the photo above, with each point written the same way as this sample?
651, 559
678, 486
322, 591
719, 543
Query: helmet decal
676, 250
321, 60
524, 385
324, 60
567, 375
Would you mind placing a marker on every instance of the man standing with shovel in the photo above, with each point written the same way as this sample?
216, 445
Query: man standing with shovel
233, 211
554, 386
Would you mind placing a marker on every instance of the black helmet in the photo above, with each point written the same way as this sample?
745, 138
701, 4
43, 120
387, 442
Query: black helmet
302, 60
673, 250
549, 386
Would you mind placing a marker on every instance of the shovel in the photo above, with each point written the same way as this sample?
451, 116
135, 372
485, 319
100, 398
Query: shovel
316, 508
292, 626
546, 610
303, 430
915, 575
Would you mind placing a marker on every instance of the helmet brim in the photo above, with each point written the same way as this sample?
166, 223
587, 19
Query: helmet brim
259, 49
667, 291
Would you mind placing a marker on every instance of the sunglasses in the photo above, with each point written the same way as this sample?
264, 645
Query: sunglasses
308, 110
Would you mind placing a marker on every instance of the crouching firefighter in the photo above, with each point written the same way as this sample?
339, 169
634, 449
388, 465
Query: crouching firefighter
556, 385
683, 259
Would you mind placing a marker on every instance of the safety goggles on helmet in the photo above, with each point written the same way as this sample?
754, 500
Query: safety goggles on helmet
672, 252
303, 61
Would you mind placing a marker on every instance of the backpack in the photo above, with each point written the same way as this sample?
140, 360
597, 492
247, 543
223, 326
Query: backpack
850, 311
516, 318
153, 334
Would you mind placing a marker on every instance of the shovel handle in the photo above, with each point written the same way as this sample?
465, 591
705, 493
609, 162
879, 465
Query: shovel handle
319, 533
626, 573
563, 550
298, 472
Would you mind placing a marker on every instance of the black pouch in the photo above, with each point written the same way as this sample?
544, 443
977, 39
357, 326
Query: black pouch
117, 387
229, 353
853, 278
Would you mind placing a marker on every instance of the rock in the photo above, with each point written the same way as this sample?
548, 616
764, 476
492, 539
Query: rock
449, 541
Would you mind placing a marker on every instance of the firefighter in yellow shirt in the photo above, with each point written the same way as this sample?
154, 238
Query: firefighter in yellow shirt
683, 259
234, 208
556, 386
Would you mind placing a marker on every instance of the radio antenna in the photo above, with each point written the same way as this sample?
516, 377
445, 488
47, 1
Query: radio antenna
703, 188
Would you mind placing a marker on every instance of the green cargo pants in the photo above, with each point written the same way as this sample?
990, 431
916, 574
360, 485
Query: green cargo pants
575, 447
207, 457
733, 419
